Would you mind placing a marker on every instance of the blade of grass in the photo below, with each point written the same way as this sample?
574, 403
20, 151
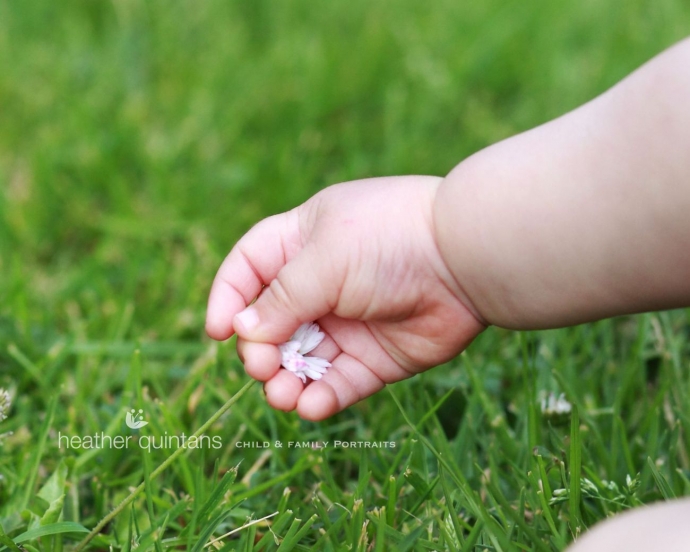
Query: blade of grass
452, 513
38, 452
218, 493
293, 537
149, 495
8, 543
268, 541
473, 537
209, 528
660, 480
449, 540
529, 378
575, 471
51, 529
381, 531
544, 498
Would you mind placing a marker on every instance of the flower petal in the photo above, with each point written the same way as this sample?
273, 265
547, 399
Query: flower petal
301, 376
293, 361
306, 339
309, 335
291, 346
316, 367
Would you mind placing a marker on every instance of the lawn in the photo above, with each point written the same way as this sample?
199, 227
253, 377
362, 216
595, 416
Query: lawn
138, 140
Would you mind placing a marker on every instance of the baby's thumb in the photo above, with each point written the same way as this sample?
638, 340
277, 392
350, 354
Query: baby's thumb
303, 290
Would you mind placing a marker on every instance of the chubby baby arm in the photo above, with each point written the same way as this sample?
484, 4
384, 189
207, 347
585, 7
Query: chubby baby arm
584, 217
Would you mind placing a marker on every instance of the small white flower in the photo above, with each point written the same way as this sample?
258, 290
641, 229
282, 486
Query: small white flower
293, 352
554, 406
5, 403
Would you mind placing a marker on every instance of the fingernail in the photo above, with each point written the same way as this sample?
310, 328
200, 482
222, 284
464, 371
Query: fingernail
248, 318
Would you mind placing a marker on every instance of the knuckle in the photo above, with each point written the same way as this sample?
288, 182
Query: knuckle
281, 293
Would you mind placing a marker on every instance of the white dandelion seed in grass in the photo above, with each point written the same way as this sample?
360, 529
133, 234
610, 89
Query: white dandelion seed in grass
5, 403
294, 352
553, 405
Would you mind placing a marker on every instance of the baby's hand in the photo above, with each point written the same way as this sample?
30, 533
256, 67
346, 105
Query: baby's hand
361, 259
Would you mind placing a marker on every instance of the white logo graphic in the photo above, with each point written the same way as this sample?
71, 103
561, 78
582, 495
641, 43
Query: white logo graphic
135, 420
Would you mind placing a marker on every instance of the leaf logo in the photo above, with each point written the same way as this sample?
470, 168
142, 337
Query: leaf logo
135, 419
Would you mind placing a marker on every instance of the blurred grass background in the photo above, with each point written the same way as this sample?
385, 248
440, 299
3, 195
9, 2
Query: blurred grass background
138, 140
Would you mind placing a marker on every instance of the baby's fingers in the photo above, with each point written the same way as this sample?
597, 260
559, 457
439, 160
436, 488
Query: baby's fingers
252, 263
283, 390
305, 289
347, 381
261, 360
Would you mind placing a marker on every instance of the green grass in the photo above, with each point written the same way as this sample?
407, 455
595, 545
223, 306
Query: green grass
138, 140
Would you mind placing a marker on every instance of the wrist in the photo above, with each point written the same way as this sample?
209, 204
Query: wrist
461, 239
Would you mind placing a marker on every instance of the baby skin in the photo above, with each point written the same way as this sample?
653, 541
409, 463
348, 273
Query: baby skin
582, 218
